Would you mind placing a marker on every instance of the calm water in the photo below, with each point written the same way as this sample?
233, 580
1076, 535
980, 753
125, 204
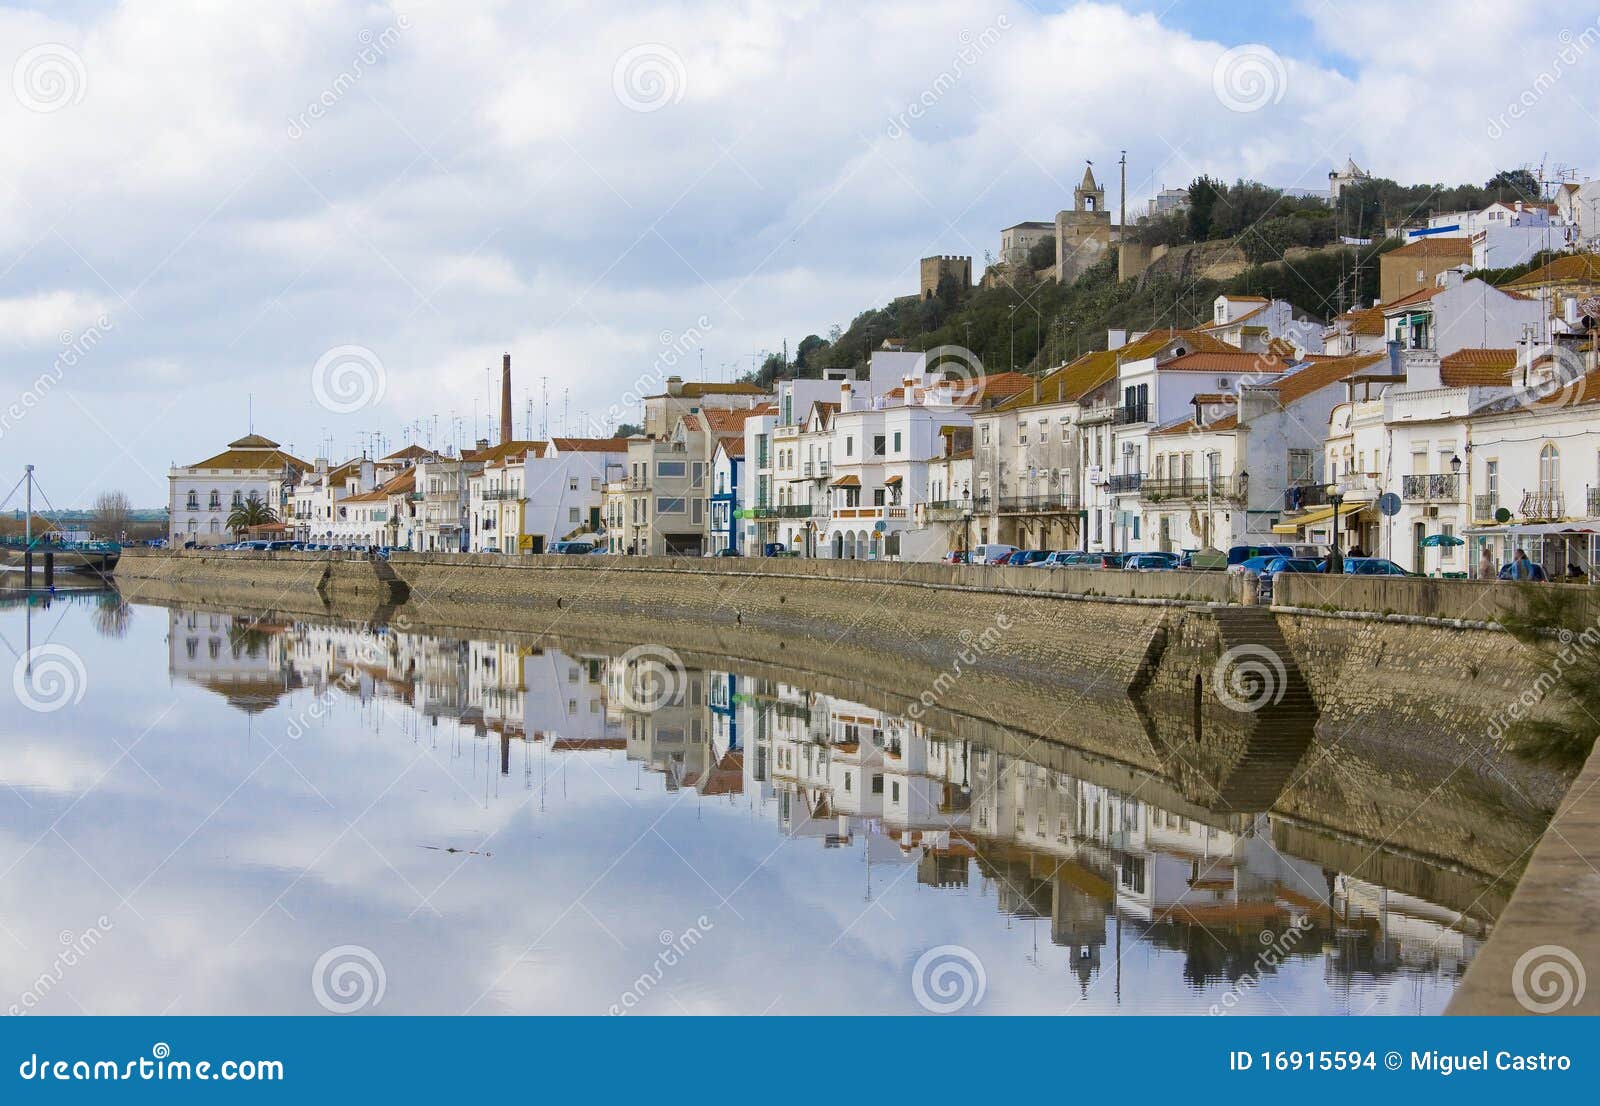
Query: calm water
287, 817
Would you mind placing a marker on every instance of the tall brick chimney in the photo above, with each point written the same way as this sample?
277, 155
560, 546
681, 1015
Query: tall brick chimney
505, 400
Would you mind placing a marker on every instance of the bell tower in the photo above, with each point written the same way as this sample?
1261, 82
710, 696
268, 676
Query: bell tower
1089, 196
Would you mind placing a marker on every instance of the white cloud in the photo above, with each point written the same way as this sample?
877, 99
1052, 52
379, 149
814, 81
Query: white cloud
480, 185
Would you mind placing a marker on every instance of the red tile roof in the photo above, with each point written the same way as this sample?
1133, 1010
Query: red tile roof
1467, 368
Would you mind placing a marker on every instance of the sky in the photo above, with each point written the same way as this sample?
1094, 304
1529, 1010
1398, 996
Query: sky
328, 220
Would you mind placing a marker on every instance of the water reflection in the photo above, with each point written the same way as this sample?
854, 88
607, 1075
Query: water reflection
825, 843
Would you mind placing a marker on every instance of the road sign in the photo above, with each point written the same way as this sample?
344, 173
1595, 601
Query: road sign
1389, 504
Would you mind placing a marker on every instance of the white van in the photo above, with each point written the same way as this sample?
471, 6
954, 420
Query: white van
988, 554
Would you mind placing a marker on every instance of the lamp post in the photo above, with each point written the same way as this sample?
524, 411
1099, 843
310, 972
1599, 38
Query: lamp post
1336, 559
966, 536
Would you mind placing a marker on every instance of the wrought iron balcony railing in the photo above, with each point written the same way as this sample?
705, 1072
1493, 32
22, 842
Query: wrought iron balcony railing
1192, 487
1039, 504
1122, 483
1437, 487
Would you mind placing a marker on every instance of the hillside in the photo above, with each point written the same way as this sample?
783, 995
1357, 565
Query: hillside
1032, 323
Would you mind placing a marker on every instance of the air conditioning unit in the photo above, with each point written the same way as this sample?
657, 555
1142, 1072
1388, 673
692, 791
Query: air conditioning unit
1222, 383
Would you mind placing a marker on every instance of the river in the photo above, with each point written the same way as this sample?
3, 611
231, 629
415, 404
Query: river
204, 812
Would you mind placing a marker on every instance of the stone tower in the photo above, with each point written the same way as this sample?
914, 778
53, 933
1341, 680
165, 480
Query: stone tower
1083, 235
935, 269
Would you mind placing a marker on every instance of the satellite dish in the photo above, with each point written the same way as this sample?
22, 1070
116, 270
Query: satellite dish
1502, 515
1389, 504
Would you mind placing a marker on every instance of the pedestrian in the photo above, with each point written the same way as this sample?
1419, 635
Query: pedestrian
1357, 551
1487, 569
1521, 567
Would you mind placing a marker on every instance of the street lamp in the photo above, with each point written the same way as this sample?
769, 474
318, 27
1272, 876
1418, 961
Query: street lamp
1455, 464
966, 536
1336, 494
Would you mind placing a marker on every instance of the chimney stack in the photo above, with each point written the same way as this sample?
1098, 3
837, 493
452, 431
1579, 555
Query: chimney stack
505, 400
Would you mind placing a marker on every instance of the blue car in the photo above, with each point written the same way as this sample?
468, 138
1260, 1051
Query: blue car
1151, 561
1373, 566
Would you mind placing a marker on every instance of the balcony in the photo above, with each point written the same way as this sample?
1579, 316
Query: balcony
949, 509
1124, 483
1301, 496
1485, 504
1094, 415
1593, 502
1059, 503
796, 510
1127, 416
1195, 487
495, 495
1543, 506
1438, 487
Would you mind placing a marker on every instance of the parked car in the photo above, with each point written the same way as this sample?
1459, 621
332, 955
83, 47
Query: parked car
1257, 565
1056, 559
1138, 561
1378, 566
280, 545
955, 557
991, 554
1276, 565
1238, 554
570, 548
599, 549
727, 553
774, 549
1022, 558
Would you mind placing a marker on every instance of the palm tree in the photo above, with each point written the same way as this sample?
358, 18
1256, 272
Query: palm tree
249, 512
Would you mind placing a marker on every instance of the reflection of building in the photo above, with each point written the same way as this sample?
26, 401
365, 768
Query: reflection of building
1084, 859
240, 659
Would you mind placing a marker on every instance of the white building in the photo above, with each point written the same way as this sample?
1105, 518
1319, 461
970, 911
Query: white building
201, 496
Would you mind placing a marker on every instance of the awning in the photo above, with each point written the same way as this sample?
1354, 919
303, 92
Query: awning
1539, 529
847, 482
892, 482
1316, 515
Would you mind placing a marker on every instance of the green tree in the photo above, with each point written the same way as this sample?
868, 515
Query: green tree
1515, 184
249, 512
1042, 254
1202, 206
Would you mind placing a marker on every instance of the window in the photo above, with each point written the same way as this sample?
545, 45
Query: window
1300, 466
1549, 470
897, 441
699, 473
1446, 550
572, 483
849, 447
983, 434
572, 516
671, 468
666, 505
1491, 482
878, 446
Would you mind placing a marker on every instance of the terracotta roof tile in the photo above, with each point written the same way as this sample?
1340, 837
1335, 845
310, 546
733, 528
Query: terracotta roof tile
1075, 380
1468, 368
1580, 268
1434, 246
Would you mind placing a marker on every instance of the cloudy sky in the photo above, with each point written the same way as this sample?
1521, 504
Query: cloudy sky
339, 214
